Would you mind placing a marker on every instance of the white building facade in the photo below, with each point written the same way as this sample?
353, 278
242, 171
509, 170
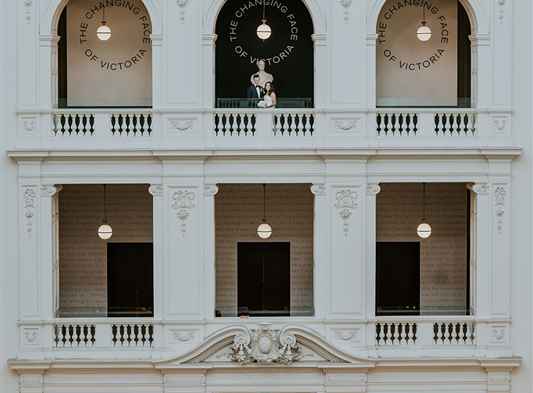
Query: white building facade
141, 115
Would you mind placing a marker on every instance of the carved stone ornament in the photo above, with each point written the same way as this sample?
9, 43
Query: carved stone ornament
346, 124
182, 202
29, 197
346, 4
499, 201
28, 10
181, 124
346, 203
182, 4
31, 336
265, 345
501, 10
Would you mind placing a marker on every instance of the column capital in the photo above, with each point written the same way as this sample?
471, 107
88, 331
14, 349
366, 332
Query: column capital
318, 189
209, 39
373, 189
210, 190
156, 190
479, 188
49, 190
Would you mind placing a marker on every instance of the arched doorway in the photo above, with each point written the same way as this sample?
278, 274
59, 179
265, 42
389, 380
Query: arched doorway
423, 54
288, 53
104, 54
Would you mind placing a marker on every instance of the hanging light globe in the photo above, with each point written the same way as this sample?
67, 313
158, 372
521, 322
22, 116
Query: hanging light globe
103, 32
264, 31
105, 231
423, 33
264, 231
423, 230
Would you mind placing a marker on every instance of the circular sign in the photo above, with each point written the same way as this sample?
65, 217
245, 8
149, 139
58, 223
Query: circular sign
282, 36
406, 17
129, 21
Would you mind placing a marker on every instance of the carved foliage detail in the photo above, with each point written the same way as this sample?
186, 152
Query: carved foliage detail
265, 345
28, 10
346, 203
499, 200
183, 201
182, 4
29, 197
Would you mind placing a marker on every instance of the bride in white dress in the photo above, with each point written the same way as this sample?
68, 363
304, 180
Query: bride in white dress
270, 99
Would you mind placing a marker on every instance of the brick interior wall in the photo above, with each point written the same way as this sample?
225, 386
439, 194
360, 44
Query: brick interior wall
443, 259
238, 212
83, 267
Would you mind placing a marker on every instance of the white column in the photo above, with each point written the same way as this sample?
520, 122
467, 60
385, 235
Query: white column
373, 190
321, 265
208, 74
158, 241
371, 70
482, 256
347, 233
157, 70
209, 285
47, 251
482, 66
321, 71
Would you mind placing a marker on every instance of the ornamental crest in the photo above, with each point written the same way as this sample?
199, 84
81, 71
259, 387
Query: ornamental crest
265, 345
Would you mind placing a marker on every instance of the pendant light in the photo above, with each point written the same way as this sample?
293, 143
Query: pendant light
105, 231
264, 230
264, 31
103, 32
423, 33
424, 229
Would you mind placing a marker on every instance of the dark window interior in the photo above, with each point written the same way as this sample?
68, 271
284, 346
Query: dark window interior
62, 67
464, 72
293, 75
397, 278
264, 279
130, 288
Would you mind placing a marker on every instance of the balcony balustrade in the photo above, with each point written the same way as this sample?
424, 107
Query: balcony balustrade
263, 129
386, 336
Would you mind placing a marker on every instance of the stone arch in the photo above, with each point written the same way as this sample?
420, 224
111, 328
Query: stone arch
477, 14
317, 16
49, 20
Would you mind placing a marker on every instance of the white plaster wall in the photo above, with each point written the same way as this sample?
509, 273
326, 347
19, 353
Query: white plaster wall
443, 257
238, 212
83, 264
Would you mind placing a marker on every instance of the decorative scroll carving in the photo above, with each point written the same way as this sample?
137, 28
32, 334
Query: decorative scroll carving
29, 196
499, 200
346, 203
182, 202
265, 345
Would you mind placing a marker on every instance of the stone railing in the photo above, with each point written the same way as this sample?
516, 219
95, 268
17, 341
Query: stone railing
386, 337
262, 129
98, 334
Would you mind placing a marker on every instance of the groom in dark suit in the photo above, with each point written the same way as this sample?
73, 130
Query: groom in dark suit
255, 90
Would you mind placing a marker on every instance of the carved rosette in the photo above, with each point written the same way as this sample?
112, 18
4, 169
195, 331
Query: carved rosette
346, 203
265, 345
183, 201
499, 201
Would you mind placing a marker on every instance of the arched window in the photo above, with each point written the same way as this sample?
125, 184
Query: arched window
423, 54
104, 54
272, 38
